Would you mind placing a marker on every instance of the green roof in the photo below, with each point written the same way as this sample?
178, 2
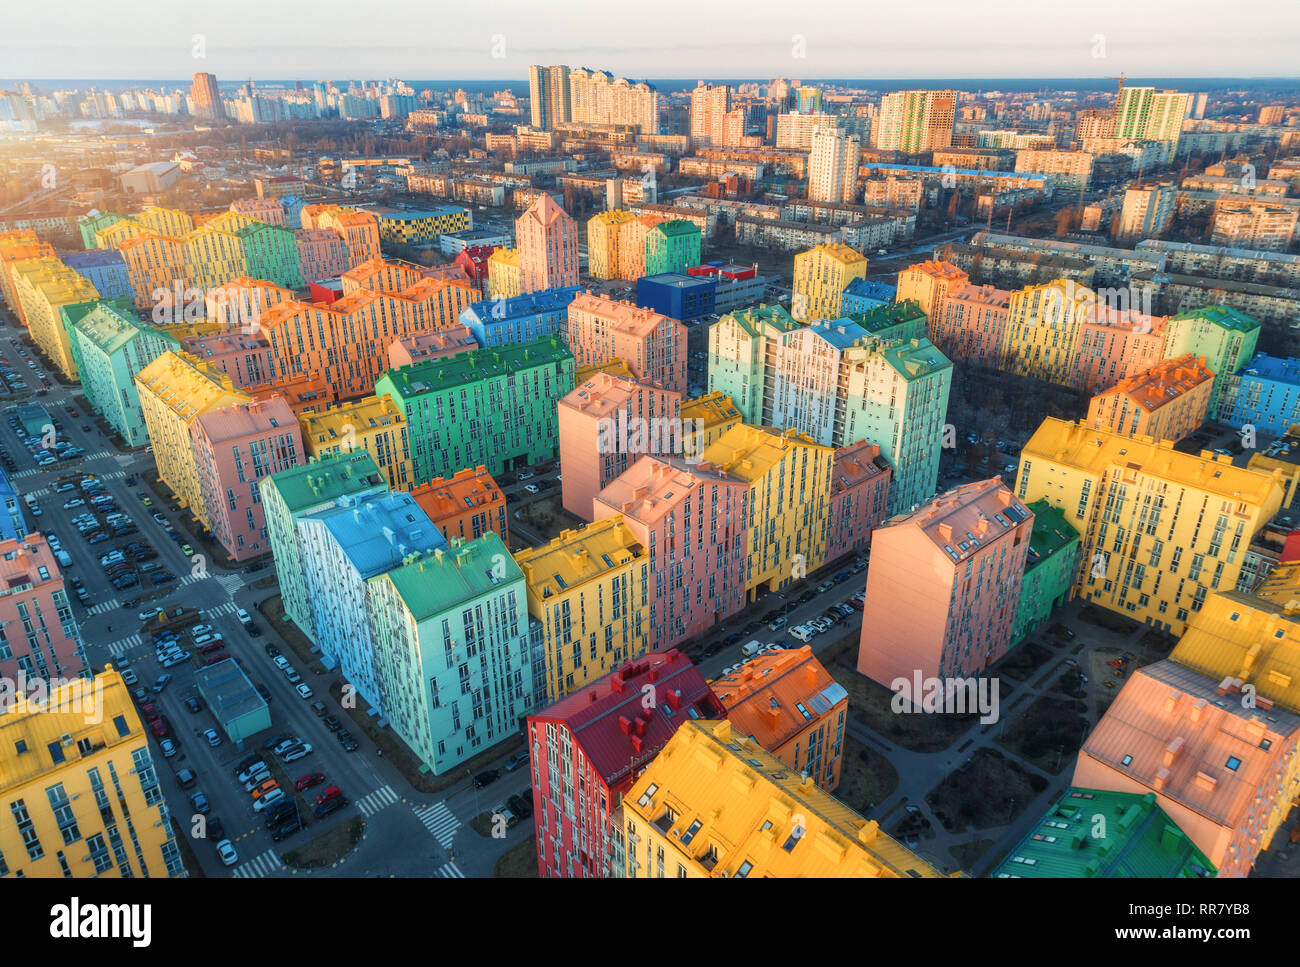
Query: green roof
111, 326
326, 479
676, 226
757, 320
1051, 534
888, 315
913, 358
1140, 840
439, 581
471, 367
1224, 316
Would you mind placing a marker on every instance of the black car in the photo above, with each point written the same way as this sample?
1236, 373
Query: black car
275, 740
271, 650
253, 630
163, 578
193, 704
246, 762
486, 778
521, 806
332, 723
329, 806
286, 828
216, 830
263, 691
280, 812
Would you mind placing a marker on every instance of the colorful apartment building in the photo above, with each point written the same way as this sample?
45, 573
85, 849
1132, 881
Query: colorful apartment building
547, 242
1167, 401
971, 325
507, 321
291, 495
431, 344
42, 286
653, 346
268, 210
692, 522
174, 390
928, 284
1099, 834
672, 246
343, 546
894, 320
862, 295
105, 269
1050, 568
42, 641
490, 407
587, 749
632, 245
235, 448
433, 616
505, 280
820, 277
944, 585
322, 254
1222, 336
245, 358
1115, 345
859, 499
740, 345
789, 481
1223, 769
704, 419
241, 302
589, 590
421, 226
82, 788
112, 347
371, 423
683, 818
1265, 395
1160, 529
789, 704
606, 424
1044, 323
604, 238
466, 505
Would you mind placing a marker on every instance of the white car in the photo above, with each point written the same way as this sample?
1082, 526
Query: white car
303, 690
151, 612
801, 633
173, 660
296, 753
214, 739
272, 797
532, 488
74, 502
226, 850
258, 768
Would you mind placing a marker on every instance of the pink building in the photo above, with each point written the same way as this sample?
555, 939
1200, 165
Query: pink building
971, 324
859, 497
691, 521
241, 303
322, 254
606, 424
652, 346
38, 634
432, 344
944, 585
1116, 345
247, 359
268, 210
234, 448
547, 240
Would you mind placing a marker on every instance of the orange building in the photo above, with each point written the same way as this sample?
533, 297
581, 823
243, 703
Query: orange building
859, 500
468, 505
790, 705
653, 346
1166, 402
928, 284
305, 393
972, 323
435, 344
1116, 344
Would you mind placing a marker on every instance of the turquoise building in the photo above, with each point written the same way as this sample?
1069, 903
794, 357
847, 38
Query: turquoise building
1050, 569
672, 246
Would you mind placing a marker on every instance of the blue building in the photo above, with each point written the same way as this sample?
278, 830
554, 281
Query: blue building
505, 322
863, 295
677, 296
292, 210
105, 269
13, 525
1265, 395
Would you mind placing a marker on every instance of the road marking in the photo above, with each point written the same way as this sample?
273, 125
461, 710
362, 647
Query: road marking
259, 866
104, 607
440, 821
118, 647
450, 871
377, 800
228, 608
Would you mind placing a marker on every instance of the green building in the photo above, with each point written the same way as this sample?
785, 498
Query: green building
289, 496
1093, 833
895, 320
271, 253
672, 246
1050, 569
739, 346
1224, 336
111, 345
447, 704
90, 225
490, 407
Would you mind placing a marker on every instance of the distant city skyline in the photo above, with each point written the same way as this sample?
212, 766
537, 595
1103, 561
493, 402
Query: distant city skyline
88, 39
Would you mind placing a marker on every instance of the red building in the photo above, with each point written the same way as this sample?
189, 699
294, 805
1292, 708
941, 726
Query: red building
717, 270
588, 749
474, 260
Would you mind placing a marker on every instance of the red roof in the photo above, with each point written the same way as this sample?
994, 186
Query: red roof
609, 720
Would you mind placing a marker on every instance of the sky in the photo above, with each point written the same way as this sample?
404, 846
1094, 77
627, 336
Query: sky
759, 39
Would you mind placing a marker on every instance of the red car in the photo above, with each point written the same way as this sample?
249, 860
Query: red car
220, 656
151, 713
160, 728
333, 792
307, 781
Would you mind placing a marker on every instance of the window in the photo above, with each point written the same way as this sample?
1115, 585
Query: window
691, 830
743, 870
796, 834
1128, 759
648, 795
1233, 762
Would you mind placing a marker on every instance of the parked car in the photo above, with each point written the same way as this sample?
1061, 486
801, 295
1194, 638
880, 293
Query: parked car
186, 778
309, 780
214, 739
200, 804
193, 704
332, 723
304, 690
329, 806
287, 827
518, 761
163, 681
294, 754
227, 853
169, 748
270, 799
486, 778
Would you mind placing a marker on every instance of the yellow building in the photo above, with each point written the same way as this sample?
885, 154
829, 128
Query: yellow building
928, 284
42, 286
715, 803
1161, 529
589, 589
1282, 455
789, 479
166, 221
820, 276
81, 789
214, 253
505, 281
1043, 327
372, 424
111, 236
705, 419
174, 389
604, 241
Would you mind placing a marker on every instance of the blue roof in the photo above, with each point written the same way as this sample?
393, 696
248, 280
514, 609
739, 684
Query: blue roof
871, 289
1274, 368
493, 311
677, 280
840, 333
93, 258
931, 169
376, 532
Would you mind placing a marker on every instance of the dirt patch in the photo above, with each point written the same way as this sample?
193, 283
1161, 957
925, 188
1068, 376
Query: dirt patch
968, 854
326, 849
1023, 662
1049, 732
519, 862
990, 790
867, 778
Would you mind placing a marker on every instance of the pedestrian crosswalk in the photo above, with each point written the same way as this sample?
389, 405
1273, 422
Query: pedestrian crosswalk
260, 866
104, 607
231, 582
377, 800
228, 608
440, 821
37, 494
125, 645
450, 871
112, 474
